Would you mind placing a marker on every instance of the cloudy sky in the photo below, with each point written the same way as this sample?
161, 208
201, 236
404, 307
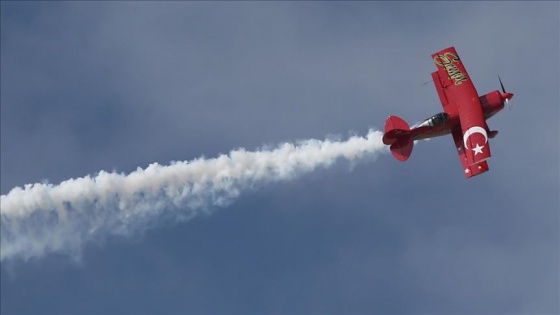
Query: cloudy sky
113, 86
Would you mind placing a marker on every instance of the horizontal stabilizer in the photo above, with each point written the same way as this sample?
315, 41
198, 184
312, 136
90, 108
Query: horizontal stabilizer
402, 148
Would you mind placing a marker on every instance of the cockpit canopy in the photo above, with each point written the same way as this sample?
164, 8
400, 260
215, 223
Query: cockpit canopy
435, 121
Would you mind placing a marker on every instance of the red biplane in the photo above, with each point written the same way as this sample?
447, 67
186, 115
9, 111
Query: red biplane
464, 116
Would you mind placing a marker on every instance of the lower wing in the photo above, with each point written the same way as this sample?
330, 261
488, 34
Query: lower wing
470, 170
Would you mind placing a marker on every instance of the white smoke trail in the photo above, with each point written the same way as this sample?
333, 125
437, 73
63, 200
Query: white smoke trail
42, 218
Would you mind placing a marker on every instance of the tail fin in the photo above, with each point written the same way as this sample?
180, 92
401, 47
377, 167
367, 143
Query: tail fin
397, 135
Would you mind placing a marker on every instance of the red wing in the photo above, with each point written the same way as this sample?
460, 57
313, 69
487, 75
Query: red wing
441, 90
452, 81
457, 88
452, 73
470, 170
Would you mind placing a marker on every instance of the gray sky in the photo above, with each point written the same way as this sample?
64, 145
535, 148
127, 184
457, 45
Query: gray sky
91, 86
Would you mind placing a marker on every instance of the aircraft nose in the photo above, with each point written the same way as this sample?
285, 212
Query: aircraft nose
507, 96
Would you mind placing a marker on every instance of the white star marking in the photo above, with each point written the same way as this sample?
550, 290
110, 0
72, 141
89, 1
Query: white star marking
477, 149
466, 170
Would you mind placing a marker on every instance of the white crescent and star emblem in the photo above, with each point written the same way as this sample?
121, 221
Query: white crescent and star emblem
472, 130
477, 149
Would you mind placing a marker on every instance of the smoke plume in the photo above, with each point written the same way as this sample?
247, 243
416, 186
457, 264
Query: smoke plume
42, 218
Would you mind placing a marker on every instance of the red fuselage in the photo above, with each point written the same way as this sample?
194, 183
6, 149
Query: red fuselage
492, 103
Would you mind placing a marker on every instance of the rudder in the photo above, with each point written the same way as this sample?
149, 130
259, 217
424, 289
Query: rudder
397, 135
395, 127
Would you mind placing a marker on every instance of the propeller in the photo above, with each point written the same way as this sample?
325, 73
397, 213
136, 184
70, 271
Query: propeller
507, 96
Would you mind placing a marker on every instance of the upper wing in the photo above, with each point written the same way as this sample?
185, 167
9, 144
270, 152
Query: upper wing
441, 90
470, 170
459, 97
452, 73
451, 79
